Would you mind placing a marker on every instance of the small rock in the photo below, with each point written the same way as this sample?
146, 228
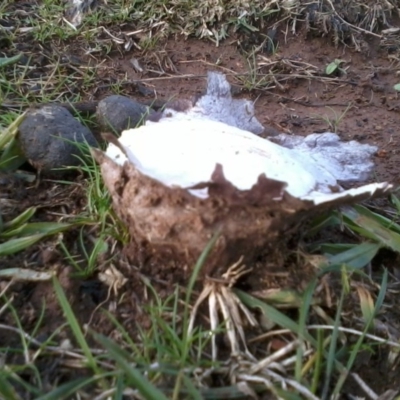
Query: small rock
49, 138
118, 113
382, 153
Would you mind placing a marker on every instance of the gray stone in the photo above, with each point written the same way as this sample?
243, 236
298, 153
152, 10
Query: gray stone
50, 137
117, 113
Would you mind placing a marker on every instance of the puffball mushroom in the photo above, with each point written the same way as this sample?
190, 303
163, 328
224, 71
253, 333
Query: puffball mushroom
177, 181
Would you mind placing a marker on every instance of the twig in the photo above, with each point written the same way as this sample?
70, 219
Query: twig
357, 333
367, 390
303, 103
275, 356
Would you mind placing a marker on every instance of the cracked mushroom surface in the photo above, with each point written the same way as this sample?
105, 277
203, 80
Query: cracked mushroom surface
195, 171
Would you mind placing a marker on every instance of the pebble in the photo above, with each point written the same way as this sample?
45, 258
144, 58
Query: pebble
48, 137
117, 113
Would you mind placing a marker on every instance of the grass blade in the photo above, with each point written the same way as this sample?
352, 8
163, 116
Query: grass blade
366, 225
15, 245
75, 327
4, 61
46, 228
196, 270
134, 377
6, 389
330, 360
274, 315
191, 388
12, 157
304, 311
12, 233
66, 390
9, 133
357, 346
384, 221
21, 219
366, 303
357, 256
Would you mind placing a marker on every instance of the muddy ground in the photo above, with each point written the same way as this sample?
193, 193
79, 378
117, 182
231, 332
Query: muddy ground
301, 100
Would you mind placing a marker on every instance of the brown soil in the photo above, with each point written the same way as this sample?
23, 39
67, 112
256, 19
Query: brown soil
297, 105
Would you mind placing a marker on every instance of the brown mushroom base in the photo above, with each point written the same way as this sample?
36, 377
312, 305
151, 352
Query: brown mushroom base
170, 227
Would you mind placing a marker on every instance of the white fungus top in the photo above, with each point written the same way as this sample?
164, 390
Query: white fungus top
183, 148
185, 152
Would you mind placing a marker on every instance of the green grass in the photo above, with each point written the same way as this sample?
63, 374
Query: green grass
162, 361
333, 123
97, 220
163, 354
317, 333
